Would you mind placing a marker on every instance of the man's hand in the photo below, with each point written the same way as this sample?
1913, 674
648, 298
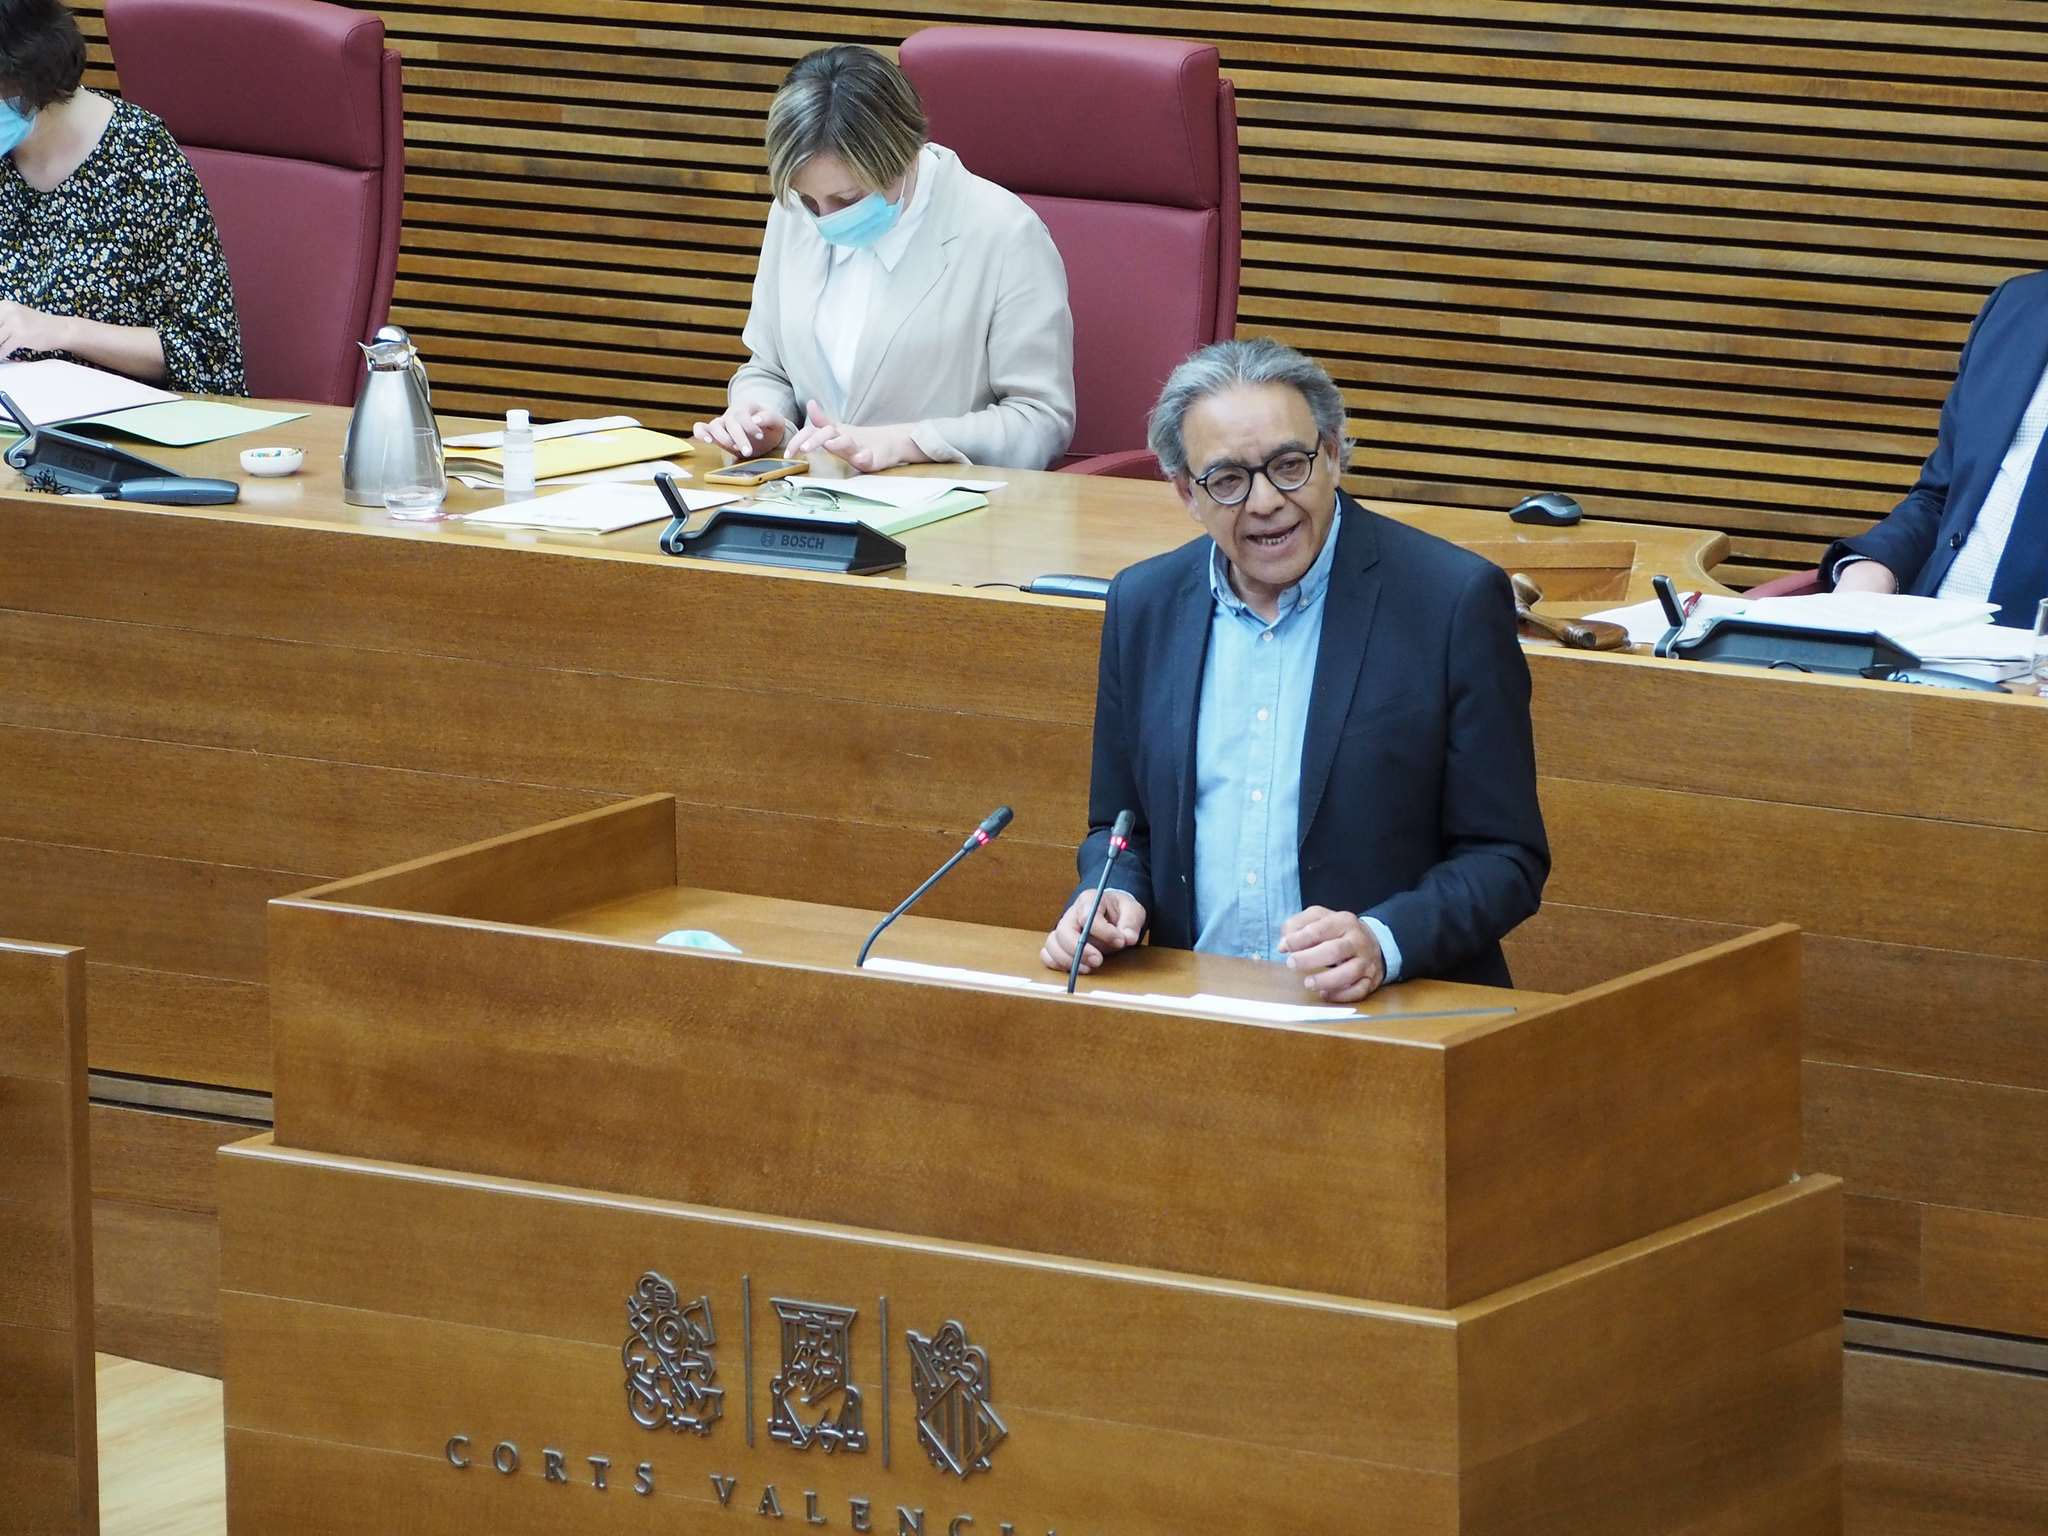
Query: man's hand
30, 330
1337, 952
1119, 925
867, 449
746, 431
1866, 576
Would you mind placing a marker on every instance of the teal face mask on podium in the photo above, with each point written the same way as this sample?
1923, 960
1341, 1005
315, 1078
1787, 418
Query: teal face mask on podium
16, 125
860, 224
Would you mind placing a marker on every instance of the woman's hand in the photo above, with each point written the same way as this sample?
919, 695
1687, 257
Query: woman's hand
30, 330
746, 431
865, 448
135, 350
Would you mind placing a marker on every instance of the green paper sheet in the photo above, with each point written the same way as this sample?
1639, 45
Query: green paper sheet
895, 520
184, 423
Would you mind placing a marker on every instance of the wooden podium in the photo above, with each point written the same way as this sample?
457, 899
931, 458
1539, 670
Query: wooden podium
562, 1229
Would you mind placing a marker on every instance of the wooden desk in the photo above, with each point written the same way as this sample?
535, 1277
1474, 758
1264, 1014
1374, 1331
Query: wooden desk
204, 709
1040, 523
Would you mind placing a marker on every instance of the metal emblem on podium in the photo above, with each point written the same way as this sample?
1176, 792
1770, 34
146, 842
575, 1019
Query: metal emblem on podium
814, 1372
955, 1423
668, 1361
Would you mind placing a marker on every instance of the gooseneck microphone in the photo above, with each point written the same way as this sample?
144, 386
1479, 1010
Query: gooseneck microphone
1119, 840
981, 836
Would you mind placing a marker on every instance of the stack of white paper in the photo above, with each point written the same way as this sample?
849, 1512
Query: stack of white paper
1646, 624
1895, 615
52, 390
622, 474
1949, 634
496, 438
594, 509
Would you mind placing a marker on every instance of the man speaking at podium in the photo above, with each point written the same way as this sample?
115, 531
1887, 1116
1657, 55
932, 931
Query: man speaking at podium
1319, 716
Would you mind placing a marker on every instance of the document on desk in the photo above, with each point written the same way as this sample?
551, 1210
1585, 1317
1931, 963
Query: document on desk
1646, 623
52, 390
1950, 634
594, 509
573, 454
554, 429
1897, 616
893, 504
901, 491
623, 474
186, 423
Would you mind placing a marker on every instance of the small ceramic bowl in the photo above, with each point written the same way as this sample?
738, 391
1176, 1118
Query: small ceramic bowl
268, 462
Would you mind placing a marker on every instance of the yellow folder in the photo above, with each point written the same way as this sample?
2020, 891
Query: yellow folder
554, 456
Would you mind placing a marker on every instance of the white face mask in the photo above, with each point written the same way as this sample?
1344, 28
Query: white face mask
15, 125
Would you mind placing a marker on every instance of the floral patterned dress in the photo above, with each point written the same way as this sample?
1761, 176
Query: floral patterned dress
127, 239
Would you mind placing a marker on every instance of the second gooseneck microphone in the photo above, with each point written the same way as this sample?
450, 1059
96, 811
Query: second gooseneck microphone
1119, 840
980, 837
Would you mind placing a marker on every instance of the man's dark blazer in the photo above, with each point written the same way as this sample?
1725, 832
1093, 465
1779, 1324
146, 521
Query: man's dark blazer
1995, 378
1418, 769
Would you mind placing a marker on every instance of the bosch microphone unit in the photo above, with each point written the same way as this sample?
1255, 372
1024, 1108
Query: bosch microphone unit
990, 829
72, 464
803, 541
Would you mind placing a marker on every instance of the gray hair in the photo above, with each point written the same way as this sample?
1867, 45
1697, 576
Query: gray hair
846, 101
1226, 365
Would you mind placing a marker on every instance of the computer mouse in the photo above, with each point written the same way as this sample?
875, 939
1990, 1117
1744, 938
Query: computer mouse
1553, 509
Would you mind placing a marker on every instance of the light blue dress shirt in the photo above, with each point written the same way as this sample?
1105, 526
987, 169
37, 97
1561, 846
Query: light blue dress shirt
1248, 738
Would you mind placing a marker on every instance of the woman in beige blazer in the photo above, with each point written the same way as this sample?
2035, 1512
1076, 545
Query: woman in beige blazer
905, 310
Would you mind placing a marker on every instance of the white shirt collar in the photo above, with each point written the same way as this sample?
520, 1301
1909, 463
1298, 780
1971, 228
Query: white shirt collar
890, 248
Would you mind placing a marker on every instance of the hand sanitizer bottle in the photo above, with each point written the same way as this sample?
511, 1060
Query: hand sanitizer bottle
518, 456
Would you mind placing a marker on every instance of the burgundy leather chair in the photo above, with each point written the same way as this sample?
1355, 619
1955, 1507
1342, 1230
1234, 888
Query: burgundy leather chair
292, 114
1127, 148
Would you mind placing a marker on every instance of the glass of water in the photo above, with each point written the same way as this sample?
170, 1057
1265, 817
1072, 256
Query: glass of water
2041, 649
415, 484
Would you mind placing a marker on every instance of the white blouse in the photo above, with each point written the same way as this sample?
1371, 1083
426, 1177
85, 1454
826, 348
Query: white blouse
856, 276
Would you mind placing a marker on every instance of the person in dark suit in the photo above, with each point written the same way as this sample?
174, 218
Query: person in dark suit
1319, 716
1976, 524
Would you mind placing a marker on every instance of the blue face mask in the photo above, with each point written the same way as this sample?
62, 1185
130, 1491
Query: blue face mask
861, 224
15, 125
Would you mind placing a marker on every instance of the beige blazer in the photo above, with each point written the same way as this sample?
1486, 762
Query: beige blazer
970, 337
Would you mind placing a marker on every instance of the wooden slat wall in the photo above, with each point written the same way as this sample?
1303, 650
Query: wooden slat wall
1705, 263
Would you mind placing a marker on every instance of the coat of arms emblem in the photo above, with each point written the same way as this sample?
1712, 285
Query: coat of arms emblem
814, 1372
955, 1423
667, 1353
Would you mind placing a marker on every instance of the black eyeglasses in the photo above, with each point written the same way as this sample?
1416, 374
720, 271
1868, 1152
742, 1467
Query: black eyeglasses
1228, 484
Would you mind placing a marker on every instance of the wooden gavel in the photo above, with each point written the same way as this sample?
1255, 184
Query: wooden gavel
1580, 634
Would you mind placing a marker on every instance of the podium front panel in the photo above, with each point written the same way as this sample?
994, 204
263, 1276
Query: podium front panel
411, 1348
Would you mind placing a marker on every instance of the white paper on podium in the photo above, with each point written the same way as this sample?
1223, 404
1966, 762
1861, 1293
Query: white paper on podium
958, 973
1237, 1007
1200, 1002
